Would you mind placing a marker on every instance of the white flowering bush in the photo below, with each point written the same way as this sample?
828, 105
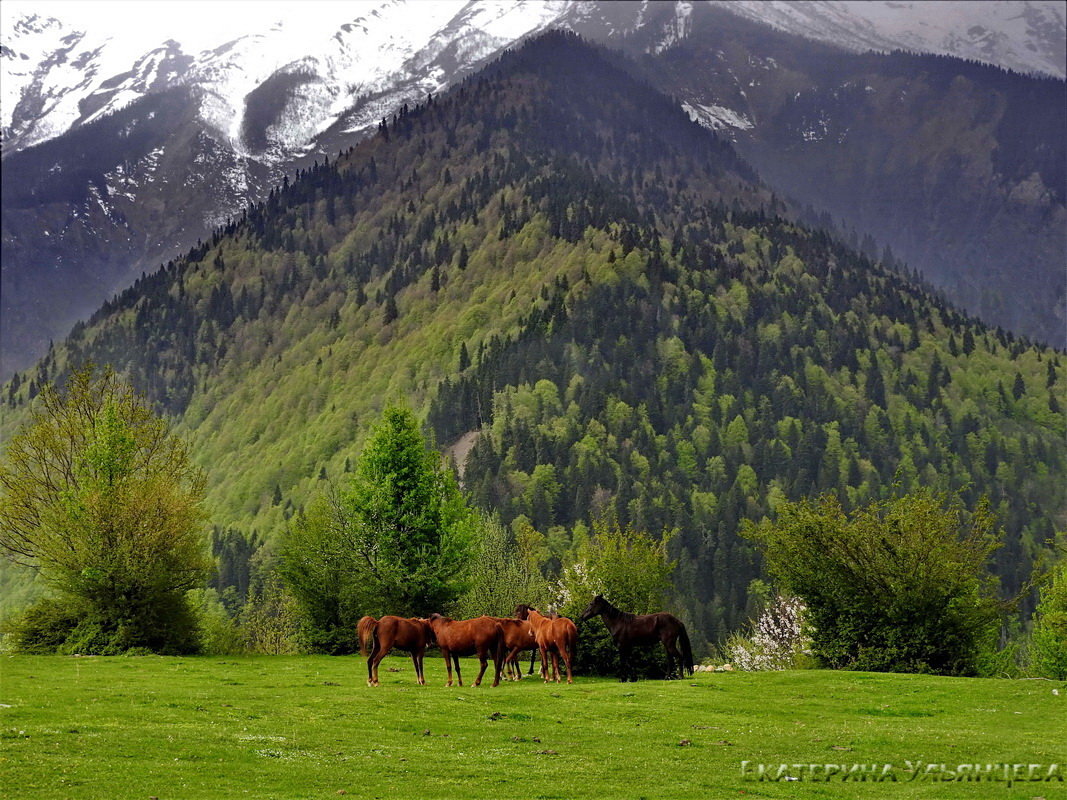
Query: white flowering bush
779, 639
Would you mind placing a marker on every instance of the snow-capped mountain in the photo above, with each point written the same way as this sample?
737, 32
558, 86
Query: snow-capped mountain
123, 145
313, 67
1026, 36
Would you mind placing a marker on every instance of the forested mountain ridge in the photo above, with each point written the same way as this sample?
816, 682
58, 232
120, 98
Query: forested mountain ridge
610, 297
915, 161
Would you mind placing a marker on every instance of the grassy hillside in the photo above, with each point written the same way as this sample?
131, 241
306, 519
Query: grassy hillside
610, 297
308, 727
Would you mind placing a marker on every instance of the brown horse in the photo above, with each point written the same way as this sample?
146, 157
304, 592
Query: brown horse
629, 630
411, 634
556, 636
518, 636
482, 636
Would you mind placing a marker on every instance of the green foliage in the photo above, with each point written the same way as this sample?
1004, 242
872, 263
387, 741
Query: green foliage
395, 540
270, 621
628, 567
504, 571
220, 635
902, 585
1048, 641
103, 501
632, 571
42, 627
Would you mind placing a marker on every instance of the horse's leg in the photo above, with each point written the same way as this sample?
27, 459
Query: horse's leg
370, 659
674, 655
377, 653
483, 660
555, 664
416, 657
543, 652
459, 676
448, 665
512, 664
415, 664
624, 663
533, 655
568, 654
497, 654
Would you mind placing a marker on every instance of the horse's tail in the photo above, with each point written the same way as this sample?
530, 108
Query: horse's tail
365, 630
687, 650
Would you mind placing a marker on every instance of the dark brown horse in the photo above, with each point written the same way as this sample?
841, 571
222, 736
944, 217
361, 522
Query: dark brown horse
518, 637
630, 630
556, 637
482, 636
411, 634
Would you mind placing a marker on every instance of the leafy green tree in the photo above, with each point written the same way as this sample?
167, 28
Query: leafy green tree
900, 585
102, 500
395, 540
503, 573
1048, 643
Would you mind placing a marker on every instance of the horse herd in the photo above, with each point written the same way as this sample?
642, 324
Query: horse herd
503, 639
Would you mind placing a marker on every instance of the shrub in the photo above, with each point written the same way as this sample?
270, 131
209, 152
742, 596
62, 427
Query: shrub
502, 574
270, 621
42, 627
1048, 642
898, 586
219, 633
779, 639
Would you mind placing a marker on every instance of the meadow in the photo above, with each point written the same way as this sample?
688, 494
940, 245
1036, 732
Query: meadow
309, 727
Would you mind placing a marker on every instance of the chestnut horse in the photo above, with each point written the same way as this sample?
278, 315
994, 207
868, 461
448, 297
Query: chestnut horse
411, 634
629, 630
518, 636
482, 636
556, 636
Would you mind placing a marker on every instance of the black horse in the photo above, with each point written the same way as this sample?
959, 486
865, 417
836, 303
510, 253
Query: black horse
629, 630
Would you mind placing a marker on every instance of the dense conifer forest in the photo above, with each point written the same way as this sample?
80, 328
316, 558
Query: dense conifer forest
554, 262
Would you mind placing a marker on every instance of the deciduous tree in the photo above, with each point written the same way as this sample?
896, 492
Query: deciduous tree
104, 501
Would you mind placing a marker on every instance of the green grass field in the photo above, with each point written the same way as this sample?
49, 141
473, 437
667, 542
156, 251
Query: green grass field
308, 727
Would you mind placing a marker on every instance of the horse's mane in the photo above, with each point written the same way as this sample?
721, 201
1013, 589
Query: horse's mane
618, 613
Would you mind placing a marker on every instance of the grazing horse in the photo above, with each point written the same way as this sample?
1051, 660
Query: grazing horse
556, 636
482, 636
518, 636
629, 630
408, 634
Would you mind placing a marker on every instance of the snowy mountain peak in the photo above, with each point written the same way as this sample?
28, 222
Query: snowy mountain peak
1021, 35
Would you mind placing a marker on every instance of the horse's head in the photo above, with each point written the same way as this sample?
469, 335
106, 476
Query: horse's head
522, 611
598, 605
